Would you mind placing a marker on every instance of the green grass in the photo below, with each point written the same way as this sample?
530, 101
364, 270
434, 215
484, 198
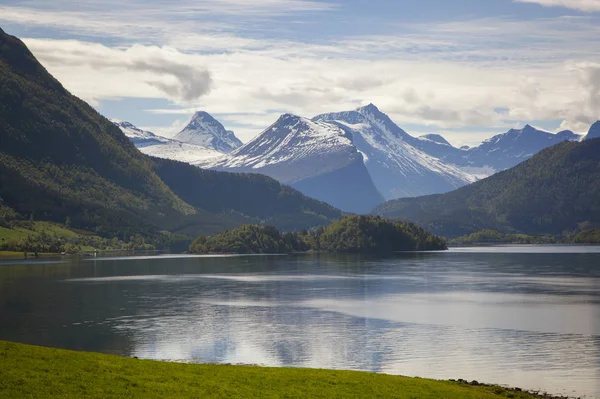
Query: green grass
32, 229
18, 233
13, 234
15, 254
10, 254
36, 372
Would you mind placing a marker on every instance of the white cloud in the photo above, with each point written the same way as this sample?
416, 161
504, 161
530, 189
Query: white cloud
585, 108
443, 76
582, 5
154, 21
251, 87
94, 71
185, 8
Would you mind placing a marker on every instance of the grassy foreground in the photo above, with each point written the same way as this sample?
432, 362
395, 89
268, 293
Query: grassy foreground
35, 372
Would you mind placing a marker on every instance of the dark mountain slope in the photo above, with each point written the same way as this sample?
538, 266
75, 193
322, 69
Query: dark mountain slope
553, 192
254, 197
59, 158
350, 188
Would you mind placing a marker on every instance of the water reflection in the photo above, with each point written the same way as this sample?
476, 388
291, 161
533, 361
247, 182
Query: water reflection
524, 319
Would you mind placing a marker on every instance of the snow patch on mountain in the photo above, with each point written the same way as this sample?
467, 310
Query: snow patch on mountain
436, 138
134, 133
206, 131
162, 147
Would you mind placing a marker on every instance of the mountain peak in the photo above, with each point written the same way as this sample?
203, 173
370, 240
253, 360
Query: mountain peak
568, 135
289, 116
594, 131
531, 129
122, 123
288, 120
527, 129
206, 131
199, 117
317, 157
133, 132
435, 138
369, 108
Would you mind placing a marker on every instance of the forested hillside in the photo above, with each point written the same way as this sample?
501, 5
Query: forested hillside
252, 197
557, 192
59, 158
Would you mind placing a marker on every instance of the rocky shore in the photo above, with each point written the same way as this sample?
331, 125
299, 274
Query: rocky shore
516, 390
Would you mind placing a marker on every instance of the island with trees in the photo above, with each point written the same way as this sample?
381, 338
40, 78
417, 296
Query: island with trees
352, 234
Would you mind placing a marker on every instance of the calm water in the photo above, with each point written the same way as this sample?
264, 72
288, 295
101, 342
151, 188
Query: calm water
519, 316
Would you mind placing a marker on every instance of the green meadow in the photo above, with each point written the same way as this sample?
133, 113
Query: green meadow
36, 372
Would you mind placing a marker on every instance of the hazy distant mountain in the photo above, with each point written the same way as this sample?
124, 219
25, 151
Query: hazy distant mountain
317, 158
397, 168
495, 154
436, 138
506, 150
554, 192
162, 147
206, 131
594, 131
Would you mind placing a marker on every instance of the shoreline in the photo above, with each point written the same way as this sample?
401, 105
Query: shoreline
31, 371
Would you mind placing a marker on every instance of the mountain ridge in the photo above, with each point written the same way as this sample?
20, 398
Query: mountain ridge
504, 150
398, 168
312, 156
162, 147
594, 131
554, 192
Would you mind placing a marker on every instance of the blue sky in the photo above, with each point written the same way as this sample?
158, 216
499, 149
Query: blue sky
466, 69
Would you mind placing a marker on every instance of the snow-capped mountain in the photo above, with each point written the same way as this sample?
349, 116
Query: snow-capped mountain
509, 149
206, 131
162, 147
436, 138
397, 168
319, 159
136, 135
353, 159
594, 131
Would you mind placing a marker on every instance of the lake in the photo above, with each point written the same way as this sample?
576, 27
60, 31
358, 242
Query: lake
526, 316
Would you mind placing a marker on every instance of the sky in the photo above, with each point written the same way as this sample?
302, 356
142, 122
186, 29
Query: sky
467, 69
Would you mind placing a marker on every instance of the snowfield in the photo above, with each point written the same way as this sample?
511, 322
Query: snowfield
162, 147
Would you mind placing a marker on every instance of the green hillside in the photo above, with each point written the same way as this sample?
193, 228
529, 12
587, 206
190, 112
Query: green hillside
36, 372
556, 192
59, 158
